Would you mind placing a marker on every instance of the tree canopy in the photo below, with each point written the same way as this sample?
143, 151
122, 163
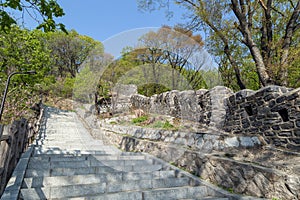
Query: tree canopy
55, 56
258, 36
42, 11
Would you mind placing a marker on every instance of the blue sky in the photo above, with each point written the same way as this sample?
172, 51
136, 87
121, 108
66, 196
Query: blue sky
116, 23
102, 19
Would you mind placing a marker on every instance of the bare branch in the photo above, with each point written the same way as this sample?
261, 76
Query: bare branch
263, 4
278, 11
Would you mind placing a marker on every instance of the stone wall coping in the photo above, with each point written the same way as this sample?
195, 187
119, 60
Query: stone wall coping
204, 141
269, 88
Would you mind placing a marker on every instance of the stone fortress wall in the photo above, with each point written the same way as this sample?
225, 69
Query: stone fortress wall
272, 112
248, 142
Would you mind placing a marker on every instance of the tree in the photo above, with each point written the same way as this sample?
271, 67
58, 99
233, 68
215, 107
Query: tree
43, 11
267, 28
69, 51
178, 48
21, 50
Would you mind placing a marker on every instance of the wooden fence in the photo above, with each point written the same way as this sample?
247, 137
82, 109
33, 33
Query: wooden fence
14, 140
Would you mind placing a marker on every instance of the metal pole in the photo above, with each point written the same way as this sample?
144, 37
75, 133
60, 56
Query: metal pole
6, 89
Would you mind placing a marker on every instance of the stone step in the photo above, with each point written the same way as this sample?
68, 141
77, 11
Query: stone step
129, 185
97, 178
207, 198
63, 140
91, 162
69, 144
49, 144
214, 198
134, 195
63, 157
198, 192
102, 191
77, 147
73, 152
90, 170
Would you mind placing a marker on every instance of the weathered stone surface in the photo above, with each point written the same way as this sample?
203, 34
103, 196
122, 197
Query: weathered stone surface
269, 109
272, 108
241, 177
253, 118
205, 142
232, 142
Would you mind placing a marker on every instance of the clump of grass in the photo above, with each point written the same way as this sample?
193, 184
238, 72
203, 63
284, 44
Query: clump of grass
163, 125
140, 119
230, 190
157, 124
168, 125
113, 122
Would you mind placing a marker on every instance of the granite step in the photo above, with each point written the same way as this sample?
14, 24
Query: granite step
112, 187
91, 162
74, 170
71, 157
34, 182
178, 193
103, 191
57, 150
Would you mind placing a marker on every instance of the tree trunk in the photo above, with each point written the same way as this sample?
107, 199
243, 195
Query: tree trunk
248, 41
260, 66
235, 67
291, 28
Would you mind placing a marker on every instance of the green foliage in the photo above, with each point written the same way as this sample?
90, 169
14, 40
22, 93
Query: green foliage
69, 51
157, 124
22, 50
160, 64
140, 119
151, 89
248, 39
104, 88
230, 190
294, 69
44, 10
85, 85
167, 125
18, 102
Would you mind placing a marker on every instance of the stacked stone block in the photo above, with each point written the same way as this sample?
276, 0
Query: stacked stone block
215, 106
272, 112
178, 104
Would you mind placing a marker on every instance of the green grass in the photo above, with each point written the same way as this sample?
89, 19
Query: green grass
157, 124
167, 125
162, 125
139, 120
230, 190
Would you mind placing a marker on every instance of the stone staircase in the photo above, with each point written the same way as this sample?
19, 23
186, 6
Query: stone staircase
67, 163
101, 175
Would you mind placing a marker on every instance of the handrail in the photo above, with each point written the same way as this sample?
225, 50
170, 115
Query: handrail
17, 138
6, 88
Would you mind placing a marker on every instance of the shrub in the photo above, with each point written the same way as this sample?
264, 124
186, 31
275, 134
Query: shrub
151, 89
